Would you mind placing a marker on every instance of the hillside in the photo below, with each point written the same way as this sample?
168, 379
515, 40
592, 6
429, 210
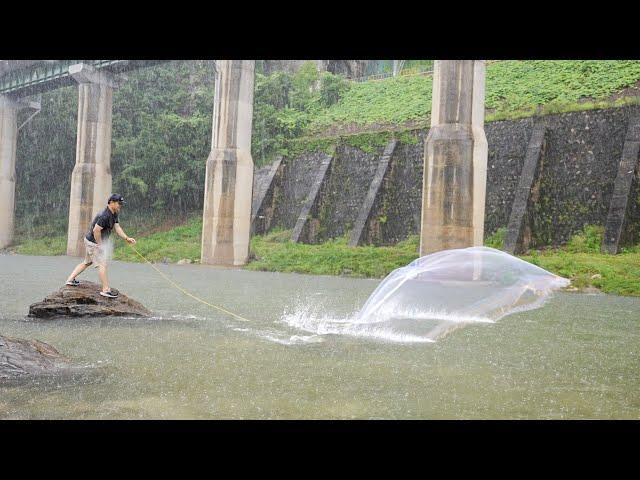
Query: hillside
513, 89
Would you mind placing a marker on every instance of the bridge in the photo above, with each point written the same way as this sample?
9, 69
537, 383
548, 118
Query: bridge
21, 78
455, 155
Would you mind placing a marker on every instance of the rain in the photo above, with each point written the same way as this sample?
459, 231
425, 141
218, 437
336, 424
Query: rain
503, 341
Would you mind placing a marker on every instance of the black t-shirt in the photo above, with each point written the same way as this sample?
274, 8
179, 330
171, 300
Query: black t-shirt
106, 220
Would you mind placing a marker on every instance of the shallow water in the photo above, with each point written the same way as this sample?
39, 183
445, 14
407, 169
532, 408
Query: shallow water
576, 357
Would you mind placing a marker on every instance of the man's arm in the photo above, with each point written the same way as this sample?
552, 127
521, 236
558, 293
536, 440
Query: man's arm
123, 235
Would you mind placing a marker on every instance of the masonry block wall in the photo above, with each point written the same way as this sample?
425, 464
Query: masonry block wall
581, 158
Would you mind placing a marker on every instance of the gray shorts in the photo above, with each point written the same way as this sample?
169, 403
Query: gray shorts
95, 254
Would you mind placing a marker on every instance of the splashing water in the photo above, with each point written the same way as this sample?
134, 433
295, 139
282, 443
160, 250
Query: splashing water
107, 248
438, 293
306, 318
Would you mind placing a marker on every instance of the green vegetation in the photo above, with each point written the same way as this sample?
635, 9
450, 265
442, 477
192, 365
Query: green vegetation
290, 106
394, 100
513, 86
557, 107
162, 136
496, 239
274, 252
587, 241
170, 246
160, 240
580, 260
162, 124
161, 140
615, 274
513, 89
56, 245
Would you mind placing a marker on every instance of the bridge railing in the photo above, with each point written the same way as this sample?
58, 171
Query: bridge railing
405, 72
48, 75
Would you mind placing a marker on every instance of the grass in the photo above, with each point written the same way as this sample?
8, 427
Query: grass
288, 122
394, 100
496, 239
170, 246
514, 89
614, 274
580, 260
557, 107
274, 252
55, 245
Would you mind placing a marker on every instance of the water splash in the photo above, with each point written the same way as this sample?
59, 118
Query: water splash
309, 319
436, 294
107, 249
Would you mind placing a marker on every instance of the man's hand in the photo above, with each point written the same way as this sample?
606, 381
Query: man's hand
131, 240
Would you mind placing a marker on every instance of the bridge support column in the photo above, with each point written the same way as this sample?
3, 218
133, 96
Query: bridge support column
455, 159
91, 177
9, 109
226, 219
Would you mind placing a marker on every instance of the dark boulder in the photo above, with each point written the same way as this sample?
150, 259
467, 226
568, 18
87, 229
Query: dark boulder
85, 300
20, 357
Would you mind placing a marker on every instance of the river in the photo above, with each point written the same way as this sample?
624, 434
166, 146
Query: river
576, 357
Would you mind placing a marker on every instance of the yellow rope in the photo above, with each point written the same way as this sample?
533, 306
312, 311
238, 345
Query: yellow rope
186, 292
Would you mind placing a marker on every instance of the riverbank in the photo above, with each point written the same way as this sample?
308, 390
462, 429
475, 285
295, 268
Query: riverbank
580, 260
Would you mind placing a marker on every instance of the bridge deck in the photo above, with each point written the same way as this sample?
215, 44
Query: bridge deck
45, 76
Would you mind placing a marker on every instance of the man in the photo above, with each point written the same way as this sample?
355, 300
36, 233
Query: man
94, 241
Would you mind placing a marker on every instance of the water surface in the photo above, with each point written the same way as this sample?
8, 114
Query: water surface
576, 357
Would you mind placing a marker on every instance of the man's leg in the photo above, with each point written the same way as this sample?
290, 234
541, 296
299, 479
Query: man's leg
102, 273
81, 267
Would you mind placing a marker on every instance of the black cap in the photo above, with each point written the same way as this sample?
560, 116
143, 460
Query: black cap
116, 198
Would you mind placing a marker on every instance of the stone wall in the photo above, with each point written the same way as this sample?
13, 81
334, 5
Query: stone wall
396, 213
631, 231
507, 147
583, 151
343, 192
580, 163
292, 187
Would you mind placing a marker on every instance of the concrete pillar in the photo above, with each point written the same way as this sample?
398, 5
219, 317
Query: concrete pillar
226, 219
91, 177
9, 109
455, 160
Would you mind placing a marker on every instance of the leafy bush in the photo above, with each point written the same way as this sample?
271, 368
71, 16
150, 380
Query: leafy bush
588, 241
161, 134
284, 105
496, 239
332, 88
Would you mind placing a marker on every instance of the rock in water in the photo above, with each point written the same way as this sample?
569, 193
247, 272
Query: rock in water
85, 300
20, 357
